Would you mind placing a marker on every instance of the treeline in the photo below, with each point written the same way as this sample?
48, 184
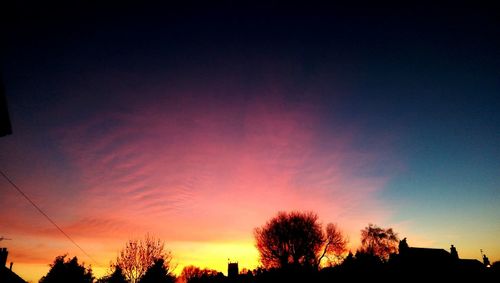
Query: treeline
293, 247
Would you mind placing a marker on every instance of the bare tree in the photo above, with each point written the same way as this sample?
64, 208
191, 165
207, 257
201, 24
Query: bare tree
297, 239
335, 244
139, 255
191, 274
379, 241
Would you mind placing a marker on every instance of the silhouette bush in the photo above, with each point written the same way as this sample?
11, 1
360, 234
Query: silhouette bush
116, 277
157, 273
193, 274
62, 271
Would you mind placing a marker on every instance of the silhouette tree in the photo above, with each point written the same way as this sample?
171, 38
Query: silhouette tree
192, 274
378, 241
139, 255
297, 239
335, 244
116, 277
159, 272
67, 271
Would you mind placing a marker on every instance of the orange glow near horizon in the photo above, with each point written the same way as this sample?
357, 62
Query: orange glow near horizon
200, 175
197, 124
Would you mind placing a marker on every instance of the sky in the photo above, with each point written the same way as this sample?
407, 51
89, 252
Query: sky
198, 123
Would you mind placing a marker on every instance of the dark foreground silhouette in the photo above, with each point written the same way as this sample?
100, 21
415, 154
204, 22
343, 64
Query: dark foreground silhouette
410, 265
293, 247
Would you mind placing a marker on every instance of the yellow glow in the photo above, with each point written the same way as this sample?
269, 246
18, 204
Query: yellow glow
214, 255
30, 272
211, 255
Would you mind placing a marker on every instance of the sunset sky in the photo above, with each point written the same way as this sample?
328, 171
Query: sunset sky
197, 124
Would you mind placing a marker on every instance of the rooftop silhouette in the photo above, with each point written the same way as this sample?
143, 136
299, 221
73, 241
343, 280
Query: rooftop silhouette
7, 275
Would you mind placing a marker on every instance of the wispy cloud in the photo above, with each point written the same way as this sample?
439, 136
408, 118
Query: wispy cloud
195, 170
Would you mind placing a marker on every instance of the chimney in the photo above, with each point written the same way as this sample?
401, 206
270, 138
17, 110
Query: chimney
3, 256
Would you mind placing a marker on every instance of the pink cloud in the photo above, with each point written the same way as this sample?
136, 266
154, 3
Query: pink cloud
193, 170
217, 159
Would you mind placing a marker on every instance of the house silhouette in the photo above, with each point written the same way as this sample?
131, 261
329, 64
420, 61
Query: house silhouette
6, 274
431, 260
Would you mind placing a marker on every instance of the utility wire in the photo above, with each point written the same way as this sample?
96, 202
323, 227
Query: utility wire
46, 216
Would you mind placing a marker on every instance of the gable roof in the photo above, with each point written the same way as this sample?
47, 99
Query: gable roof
427, 253
8, 276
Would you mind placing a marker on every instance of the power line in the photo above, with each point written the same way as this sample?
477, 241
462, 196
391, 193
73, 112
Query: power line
46, 216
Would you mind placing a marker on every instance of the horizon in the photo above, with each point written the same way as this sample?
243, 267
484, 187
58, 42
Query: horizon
197, 124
